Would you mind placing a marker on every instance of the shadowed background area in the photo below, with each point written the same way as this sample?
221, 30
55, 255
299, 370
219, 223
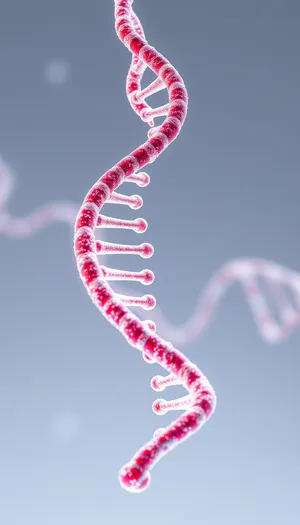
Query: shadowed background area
75, 399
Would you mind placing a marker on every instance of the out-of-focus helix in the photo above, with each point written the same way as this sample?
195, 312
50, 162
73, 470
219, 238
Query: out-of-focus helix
21, 227
272, 292
201, 400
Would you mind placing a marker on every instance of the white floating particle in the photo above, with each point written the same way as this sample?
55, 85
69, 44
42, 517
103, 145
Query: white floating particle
57, 72
66, 426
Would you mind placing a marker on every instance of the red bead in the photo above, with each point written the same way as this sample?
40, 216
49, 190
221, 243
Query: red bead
149, 55
158, 143
115, 312
97, 196
124, 30
158, 62
89, 271
134, 330
128, 166
136, 44
179, 93
170, 129
112, 179
100, 294
178, 111
84, 243
141, 156
87, 217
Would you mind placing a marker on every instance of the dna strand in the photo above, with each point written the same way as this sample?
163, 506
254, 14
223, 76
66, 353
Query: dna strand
282, 282
200, 402
247, 271
271, 290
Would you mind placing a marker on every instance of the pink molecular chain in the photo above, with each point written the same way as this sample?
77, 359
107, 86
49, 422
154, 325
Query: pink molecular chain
272, 292
281, 281
201, 400
256, 276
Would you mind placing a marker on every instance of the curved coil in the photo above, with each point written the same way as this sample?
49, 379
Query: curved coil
201, 401
282, 282
271, 290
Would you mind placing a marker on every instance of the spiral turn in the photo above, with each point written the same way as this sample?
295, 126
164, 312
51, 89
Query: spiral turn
200, 401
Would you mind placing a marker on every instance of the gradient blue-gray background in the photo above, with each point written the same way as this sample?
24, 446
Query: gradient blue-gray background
228, 187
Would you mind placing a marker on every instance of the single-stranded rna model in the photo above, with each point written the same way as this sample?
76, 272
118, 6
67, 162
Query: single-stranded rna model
201, 401
248, 272
280, 282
